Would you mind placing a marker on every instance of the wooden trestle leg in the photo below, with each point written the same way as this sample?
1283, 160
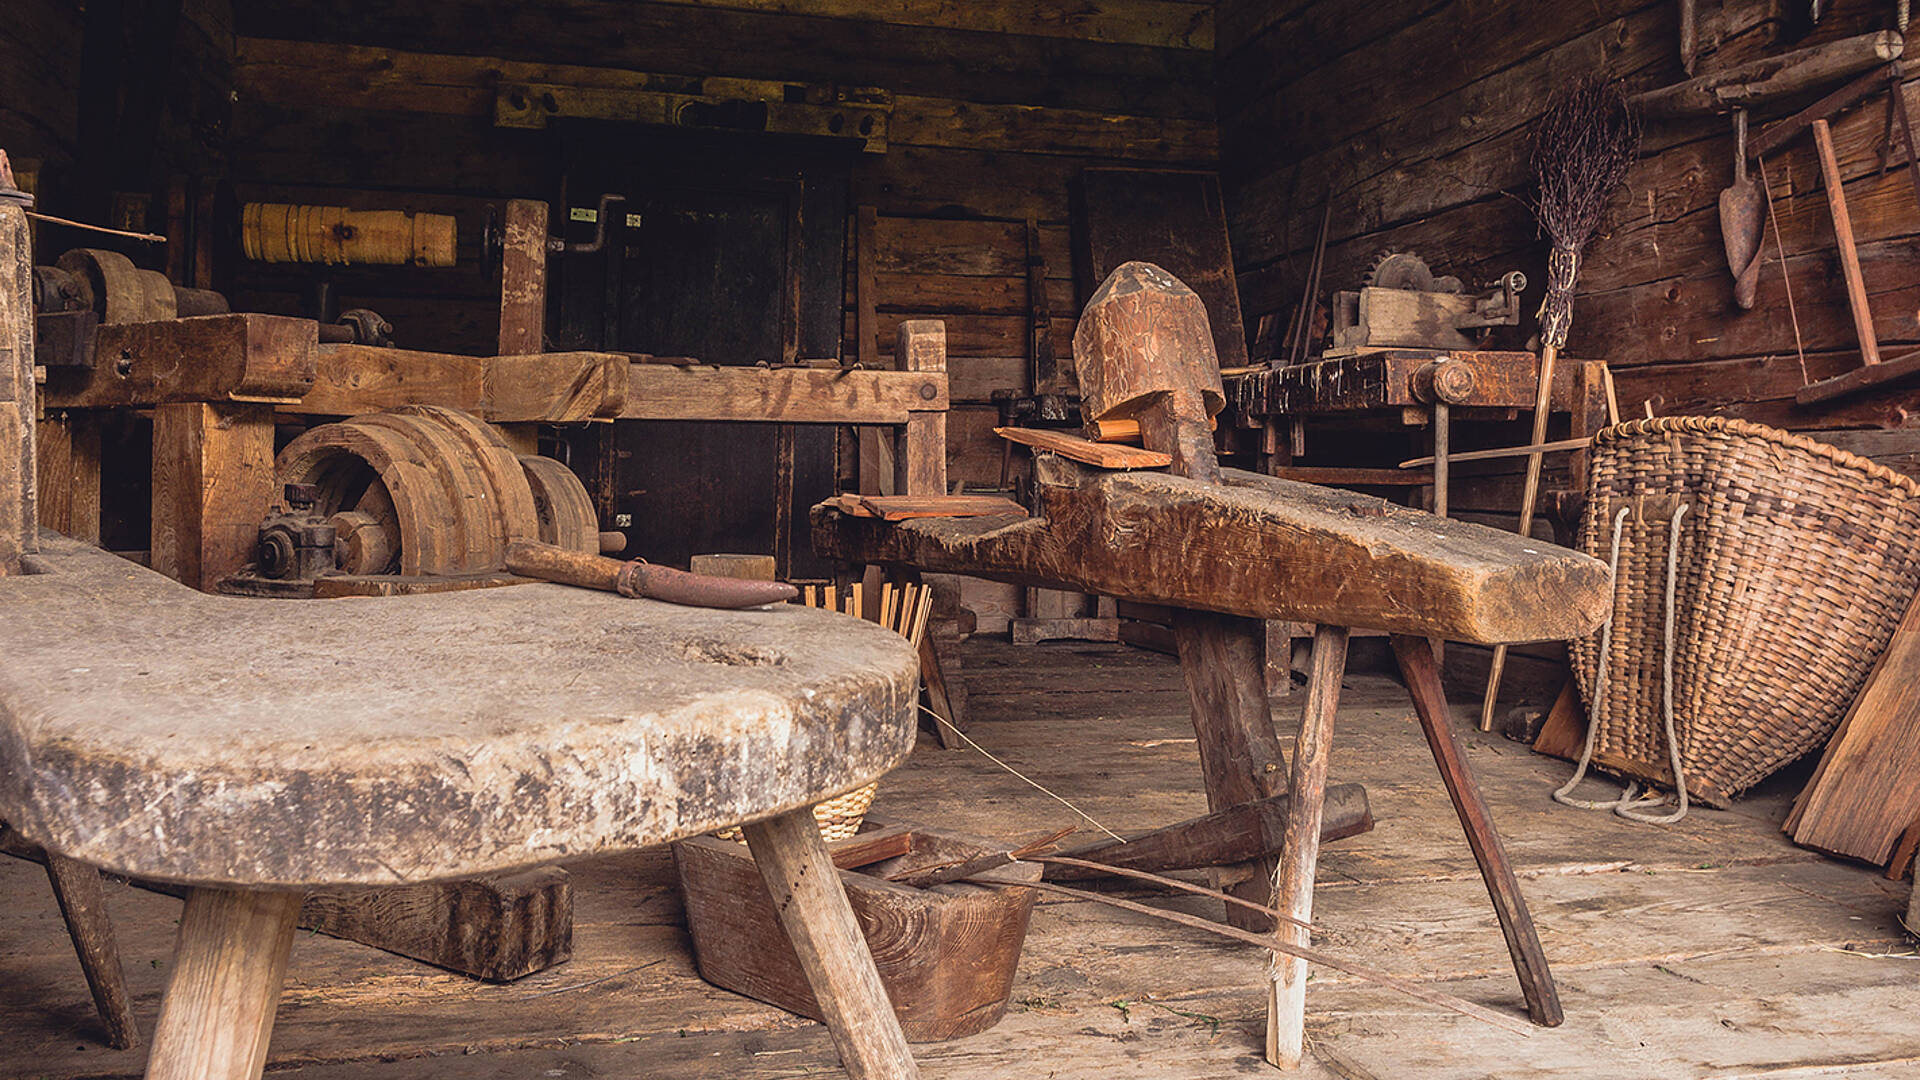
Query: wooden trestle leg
83, 904
1415, 655
1293, 882
1240, 756
813, 910
228, 964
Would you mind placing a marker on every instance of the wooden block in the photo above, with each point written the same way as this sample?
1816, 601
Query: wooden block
945, 955
213, 482
1100, 455
497, 928
756, 567
1564, 733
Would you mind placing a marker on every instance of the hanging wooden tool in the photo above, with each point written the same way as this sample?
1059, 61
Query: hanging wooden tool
1742, 221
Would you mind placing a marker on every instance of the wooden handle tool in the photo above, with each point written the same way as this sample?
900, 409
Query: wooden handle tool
637, 578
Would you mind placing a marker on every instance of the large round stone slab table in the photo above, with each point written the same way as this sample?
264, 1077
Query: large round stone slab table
255, 750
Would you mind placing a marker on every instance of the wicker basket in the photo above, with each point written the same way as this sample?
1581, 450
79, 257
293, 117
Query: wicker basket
1794, 562
838, 817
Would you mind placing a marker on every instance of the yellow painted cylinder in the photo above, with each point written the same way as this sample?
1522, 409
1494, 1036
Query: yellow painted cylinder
335, 235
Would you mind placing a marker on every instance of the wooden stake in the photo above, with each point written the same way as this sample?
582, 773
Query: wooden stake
1529, 495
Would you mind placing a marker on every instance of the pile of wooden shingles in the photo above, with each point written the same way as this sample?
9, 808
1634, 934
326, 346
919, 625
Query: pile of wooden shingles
1864, 799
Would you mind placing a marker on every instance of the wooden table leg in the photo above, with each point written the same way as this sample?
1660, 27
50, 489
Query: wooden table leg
1430, 701
228, 964
1222, 658
83, 903
1293, 882
813, 909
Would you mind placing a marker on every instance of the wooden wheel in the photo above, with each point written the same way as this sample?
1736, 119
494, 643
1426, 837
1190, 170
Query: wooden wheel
566, 512
444, 487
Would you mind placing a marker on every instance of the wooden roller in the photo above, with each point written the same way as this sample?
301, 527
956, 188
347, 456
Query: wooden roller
335, 235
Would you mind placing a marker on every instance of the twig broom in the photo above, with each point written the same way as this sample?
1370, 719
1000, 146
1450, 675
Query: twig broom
1584, 144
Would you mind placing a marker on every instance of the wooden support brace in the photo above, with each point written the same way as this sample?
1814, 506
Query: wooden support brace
68, 461
83, 904
213, 482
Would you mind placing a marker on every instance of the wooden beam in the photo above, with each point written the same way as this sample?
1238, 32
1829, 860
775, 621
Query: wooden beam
781, 395
260, 358
497, 928
1237, 834
1772, 77
19, 520
213, 482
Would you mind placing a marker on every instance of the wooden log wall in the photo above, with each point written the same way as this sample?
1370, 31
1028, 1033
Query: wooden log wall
39, 83
1415, 117
997, 105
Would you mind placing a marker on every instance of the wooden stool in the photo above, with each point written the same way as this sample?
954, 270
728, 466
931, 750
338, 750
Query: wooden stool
256, 750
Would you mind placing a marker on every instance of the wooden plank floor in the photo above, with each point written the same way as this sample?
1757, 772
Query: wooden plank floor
1709, 949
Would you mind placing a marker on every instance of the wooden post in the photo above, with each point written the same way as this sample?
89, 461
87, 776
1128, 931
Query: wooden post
1144, 350
1293, 879
523, 298
228, 966
213, 482
920, 466
67, 454
19, 520
813, 909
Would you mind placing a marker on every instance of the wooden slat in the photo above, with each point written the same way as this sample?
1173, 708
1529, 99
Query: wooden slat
301, 73
1103, 455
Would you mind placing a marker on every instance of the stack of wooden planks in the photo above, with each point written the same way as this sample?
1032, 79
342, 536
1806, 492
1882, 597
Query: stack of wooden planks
1864, 799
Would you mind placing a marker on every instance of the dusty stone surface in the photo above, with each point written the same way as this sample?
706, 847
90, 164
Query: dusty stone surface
153, 730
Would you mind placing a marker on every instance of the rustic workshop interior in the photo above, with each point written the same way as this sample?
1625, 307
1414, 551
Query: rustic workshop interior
774, 538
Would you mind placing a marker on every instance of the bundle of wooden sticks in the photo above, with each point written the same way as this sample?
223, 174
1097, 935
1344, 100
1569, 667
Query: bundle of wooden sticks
903, 608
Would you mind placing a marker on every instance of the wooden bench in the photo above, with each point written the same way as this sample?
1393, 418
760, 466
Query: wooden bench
1228, 550
255, 750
